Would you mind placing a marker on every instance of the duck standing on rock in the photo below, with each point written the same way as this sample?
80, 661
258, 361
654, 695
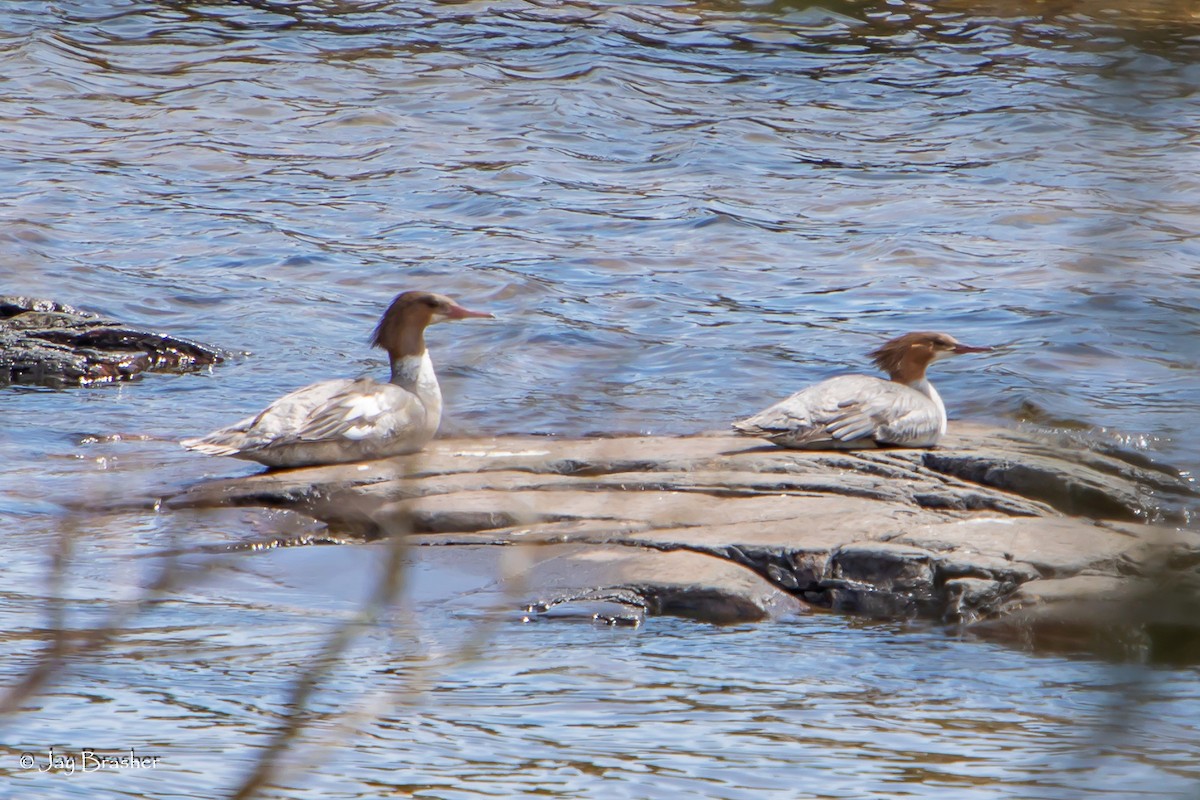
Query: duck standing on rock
852, 412
339, 421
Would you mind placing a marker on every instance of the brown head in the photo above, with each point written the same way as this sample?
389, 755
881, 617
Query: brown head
905, 358
401, 330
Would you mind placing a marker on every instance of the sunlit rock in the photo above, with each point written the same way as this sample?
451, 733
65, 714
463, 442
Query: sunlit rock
725, 529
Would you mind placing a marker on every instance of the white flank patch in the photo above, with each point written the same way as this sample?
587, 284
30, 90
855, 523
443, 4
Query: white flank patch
364, 406
358, 432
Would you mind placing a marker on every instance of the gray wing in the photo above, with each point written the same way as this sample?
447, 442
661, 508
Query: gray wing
848, 411
323, 412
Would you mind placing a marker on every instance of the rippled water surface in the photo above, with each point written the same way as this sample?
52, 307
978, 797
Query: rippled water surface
678, 211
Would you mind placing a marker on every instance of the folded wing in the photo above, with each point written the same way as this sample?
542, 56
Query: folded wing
330, 411
850, 411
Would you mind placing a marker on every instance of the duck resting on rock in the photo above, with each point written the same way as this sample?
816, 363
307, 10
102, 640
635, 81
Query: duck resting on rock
852, 412
339, 421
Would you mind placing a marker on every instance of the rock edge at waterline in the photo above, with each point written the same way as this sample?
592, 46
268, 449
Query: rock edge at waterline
991, 525
51, 344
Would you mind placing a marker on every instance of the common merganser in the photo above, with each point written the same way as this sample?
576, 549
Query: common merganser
344, 420
852, 412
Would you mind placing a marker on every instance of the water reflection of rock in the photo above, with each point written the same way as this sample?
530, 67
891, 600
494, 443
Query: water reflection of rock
979, 531
51, 344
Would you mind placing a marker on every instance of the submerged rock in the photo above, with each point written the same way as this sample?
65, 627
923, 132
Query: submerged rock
723, 529
51, 344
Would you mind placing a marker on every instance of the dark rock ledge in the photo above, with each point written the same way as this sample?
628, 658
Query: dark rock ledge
51, 344
991, 528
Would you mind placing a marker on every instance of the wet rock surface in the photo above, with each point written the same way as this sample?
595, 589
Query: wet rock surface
51, 344
992, 527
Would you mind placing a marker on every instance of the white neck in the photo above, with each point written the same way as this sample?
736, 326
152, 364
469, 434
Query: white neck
926, 388
415, 373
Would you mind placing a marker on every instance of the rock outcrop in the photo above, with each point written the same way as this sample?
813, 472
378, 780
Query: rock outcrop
51, 344
992, 526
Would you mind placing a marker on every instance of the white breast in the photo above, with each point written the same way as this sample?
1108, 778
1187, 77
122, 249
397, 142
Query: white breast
415, 373
926, 388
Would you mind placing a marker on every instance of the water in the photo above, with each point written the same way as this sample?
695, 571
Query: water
679, 212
